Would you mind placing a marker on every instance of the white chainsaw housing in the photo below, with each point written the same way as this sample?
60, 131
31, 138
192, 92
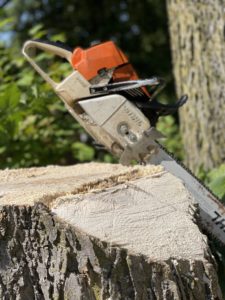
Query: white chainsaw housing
103, 117
111, 120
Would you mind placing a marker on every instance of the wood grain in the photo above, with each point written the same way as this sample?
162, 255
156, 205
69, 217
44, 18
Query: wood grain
100, 231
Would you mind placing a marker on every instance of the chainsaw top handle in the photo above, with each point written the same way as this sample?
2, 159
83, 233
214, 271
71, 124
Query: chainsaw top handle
56, 48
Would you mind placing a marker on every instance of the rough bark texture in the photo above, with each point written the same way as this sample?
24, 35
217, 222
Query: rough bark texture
63, 247
198, 50
42, 258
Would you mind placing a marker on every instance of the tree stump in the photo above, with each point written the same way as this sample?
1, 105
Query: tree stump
101, 231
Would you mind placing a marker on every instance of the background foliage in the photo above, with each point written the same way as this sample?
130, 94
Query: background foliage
35, 128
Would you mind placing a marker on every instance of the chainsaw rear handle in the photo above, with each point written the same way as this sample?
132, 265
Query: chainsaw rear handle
54, 48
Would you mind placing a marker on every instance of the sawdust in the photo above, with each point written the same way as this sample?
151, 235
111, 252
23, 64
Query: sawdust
27, 186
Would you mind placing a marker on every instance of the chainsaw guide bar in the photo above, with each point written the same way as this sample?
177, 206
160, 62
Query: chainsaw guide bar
211, 210
119, 110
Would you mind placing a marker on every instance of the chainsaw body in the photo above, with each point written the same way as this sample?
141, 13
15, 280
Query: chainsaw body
100, 94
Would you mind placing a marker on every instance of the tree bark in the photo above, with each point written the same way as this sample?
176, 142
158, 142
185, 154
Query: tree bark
197, 41
101, 232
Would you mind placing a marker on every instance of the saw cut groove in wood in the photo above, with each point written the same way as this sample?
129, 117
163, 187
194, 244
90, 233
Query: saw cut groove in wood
26, 186
101, 231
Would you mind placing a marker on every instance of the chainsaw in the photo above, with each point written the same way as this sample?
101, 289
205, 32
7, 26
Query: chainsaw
120, 111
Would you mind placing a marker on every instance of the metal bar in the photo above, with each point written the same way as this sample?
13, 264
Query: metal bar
125, 85
212, 211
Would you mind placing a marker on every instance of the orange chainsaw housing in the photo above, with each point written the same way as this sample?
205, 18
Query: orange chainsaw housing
103, 56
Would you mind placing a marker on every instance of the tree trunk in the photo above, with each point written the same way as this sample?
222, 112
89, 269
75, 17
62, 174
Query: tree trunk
198, 50
101, 231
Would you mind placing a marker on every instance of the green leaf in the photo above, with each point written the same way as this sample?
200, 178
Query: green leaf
40, 34
35, 29
218, 187
216, 180
2, 150
82, 152
108, 158
58, 37
26, 79
14, 95
173, 142
6, 22
217, 172
10, 98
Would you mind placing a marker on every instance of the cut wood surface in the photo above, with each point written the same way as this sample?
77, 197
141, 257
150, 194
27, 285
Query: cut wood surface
101, 231
26, 186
